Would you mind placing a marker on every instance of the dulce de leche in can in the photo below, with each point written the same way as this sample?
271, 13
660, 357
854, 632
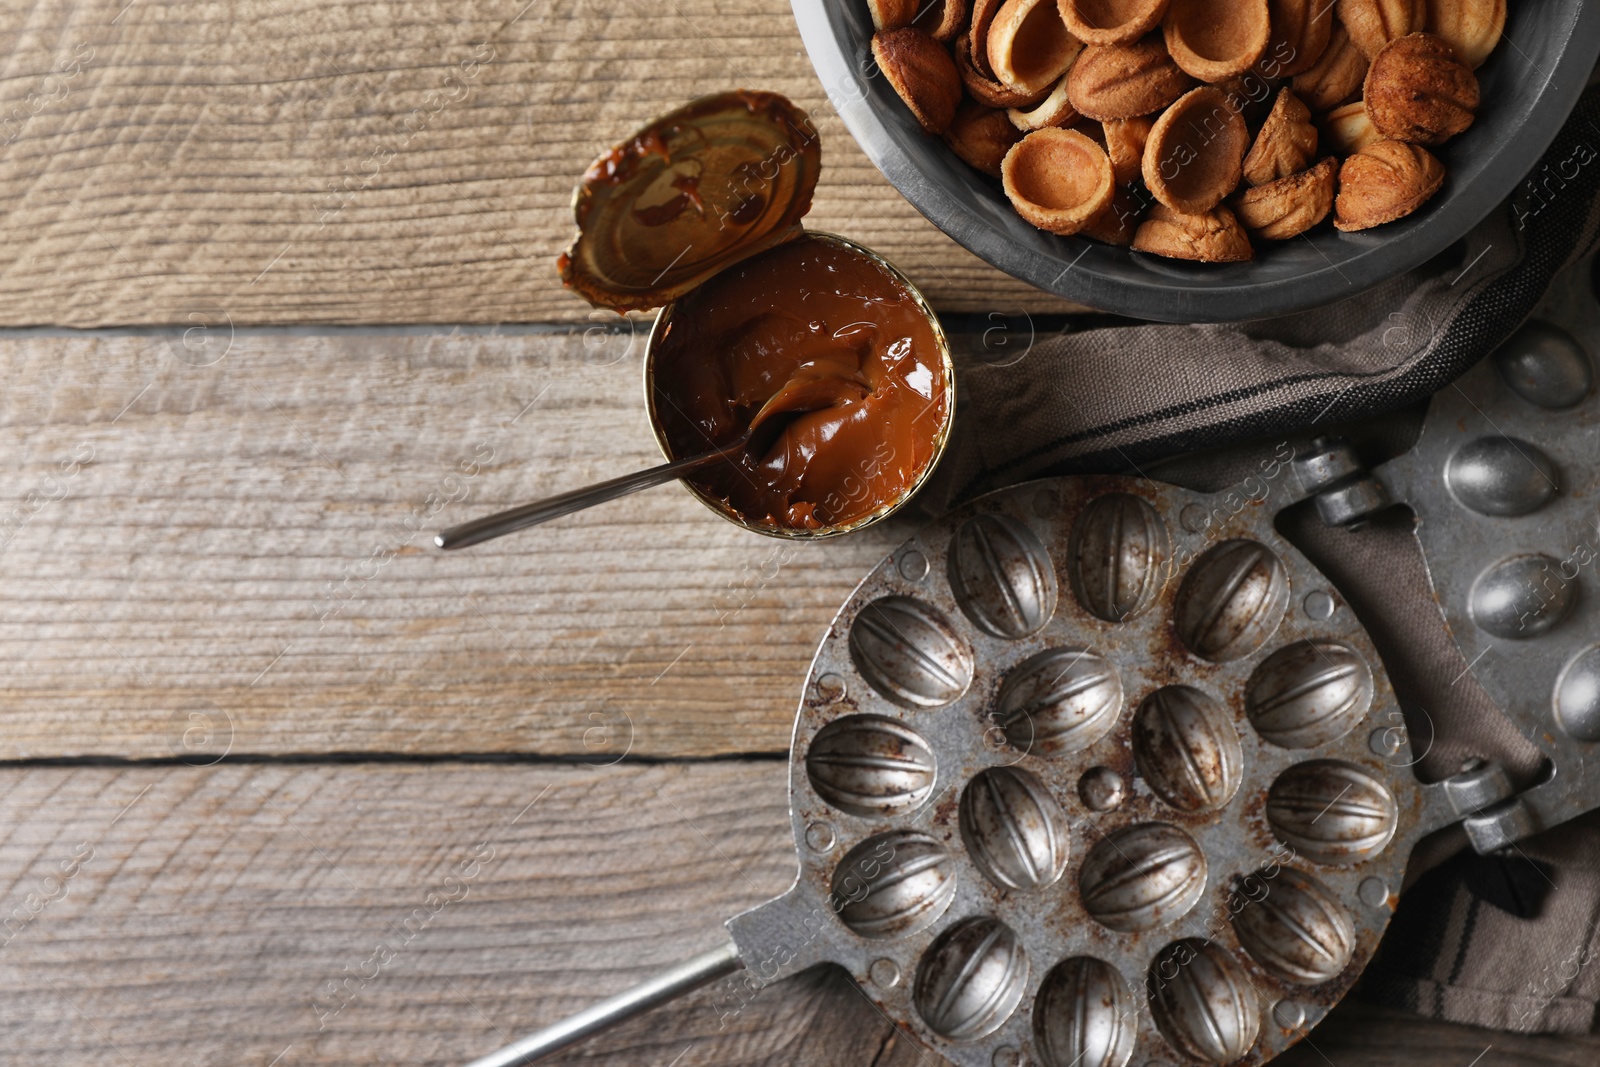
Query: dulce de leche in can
816, 345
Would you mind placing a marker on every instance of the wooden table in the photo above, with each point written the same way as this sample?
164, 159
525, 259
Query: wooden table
281, 784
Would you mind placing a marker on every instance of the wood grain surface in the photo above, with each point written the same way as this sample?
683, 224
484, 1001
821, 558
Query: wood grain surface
290, 161
421, 914
237, 556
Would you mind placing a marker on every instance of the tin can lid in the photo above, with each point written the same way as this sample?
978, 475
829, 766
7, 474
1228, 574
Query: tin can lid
703, 187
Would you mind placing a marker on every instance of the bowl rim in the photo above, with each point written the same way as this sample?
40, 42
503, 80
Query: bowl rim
822, 30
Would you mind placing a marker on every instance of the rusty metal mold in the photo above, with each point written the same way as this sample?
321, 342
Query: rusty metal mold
909, 653
1044, 813
1142, 876
1014, 830
1309, 693
971, 979
1084, 1015
1115, 560
1001, 576
871, 765
1187, 748
1331, 812
893, 884
1232, 600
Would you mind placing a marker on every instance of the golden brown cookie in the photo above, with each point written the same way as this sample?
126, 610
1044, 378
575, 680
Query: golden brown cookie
1418, 91
981, 136
1111, 21
1057, 179
1029, 46
1215, 237
1122, 81
977, 35
1116, 224
1054, 110
984, 89
1194, 156
1336, 76
922, 72
1216, 39
1374, 23
1385, 181
1286, 144
1347, 130
1289, 206
1250, 95
891, 14
1300, 30
943, 19
1125, 141
1471, 27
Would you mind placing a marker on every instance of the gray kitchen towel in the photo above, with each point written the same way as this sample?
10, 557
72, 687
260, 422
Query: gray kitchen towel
1502, 941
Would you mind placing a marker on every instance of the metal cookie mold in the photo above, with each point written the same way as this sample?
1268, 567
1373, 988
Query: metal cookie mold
870, 765
1504, 485
1013, 828
1015, 807
1232, 600
1142, 876
1084, 1015
1187, 748
909, 653
1001, 576
1059, 701
1309, 693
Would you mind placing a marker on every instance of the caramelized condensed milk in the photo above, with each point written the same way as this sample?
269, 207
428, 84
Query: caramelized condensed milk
699, 214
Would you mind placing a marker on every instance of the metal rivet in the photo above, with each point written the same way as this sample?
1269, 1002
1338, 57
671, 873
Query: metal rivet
1374, 892
885, 973
1289, 1014
1194, 518
829, 688
1005, 1056
1319, 605
1045, 503
819, 837
1101, 789
914, 566
1385, 741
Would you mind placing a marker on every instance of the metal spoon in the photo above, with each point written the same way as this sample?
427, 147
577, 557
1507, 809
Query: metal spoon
800, 394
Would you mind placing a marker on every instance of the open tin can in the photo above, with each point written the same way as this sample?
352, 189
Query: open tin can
699, 214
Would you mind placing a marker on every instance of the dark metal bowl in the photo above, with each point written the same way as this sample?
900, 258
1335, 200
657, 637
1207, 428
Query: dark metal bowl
1529, 85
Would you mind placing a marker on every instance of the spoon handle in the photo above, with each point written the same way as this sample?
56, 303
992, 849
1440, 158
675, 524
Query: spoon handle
669, 985
501, 523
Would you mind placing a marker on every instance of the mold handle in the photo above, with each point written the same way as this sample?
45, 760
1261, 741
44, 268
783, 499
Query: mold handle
669, 985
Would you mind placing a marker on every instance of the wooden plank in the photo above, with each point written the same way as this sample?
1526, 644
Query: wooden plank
296, 161
233, 915
238, 556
